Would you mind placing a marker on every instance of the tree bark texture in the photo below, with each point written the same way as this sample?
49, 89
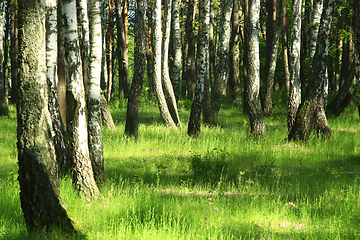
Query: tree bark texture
106, 114
257, 122
190, 69
202, 72
272, 43
75, 98
222, 58
132, 112
160, 97
4, 108
94, 92
60, 137
311, 110
176, 40
123, 53
40, 198
165, 78
285, 49
294, 66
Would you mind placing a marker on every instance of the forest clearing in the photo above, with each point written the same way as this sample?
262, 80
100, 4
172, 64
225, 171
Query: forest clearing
223, 185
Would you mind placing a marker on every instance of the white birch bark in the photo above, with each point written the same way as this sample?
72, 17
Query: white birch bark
176, 39
164, 110
222, 57
94, 91
165, 78
202, 72
257, 122
84, 23
294, 66
76, 119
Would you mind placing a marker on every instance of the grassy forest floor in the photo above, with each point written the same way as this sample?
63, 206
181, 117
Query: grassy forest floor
223, 185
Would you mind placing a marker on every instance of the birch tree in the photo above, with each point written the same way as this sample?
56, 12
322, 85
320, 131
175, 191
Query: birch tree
76, 119
94, 92
294, 66
272, 43
165, 78
222, 62
311, 110
176, 39
253, 105
202, 72
132, 113
41, 203
4, 108
60, 139
160, 97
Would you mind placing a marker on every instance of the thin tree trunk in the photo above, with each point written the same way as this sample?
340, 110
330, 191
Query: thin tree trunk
132, 113
272, 42
14, 50
176, 39
295, 82
202, 72
165, 78
190, 56
124, 76
4, 108
257, 122
311, 109
164, 110
76, 119
285, 49
110, 49
94, 92
222, 59
82, 12
60, 139
40, 198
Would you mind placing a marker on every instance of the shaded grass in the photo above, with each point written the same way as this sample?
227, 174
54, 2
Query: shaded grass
244, 188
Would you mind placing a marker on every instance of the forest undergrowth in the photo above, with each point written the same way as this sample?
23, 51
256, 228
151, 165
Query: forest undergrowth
222, 185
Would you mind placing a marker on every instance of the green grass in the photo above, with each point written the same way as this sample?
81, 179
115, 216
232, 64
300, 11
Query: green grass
243, 188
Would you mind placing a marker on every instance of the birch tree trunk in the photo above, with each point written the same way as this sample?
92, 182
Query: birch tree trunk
311, 110
60, 139
75, 98
94, 92
40, 198
82, 12
164, 110
123, 58
202, 72
222, 58
176, 39
165, 78
4, 108
257, 122
294, 66
272, 43
132, 113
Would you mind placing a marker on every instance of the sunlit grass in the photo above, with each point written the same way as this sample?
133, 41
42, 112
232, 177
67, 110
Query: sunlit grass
245, 188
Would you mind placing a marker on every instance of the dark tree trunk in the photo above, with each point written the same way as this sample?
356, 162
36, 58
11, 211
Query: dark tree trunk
40, 198
14, 51
132, 113
285, 49
4, 109
105, 114
311, 110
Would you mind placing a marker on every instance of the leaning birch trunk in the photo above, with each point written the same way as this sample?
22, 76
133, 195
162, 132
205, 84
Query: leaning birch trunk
165, 78
176, 39
60, 139
222, 59
294, 66
202, 72
311, 110
41, 203
94, 92
76, 119
164, 110
4, 108
257, 122
132, 113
